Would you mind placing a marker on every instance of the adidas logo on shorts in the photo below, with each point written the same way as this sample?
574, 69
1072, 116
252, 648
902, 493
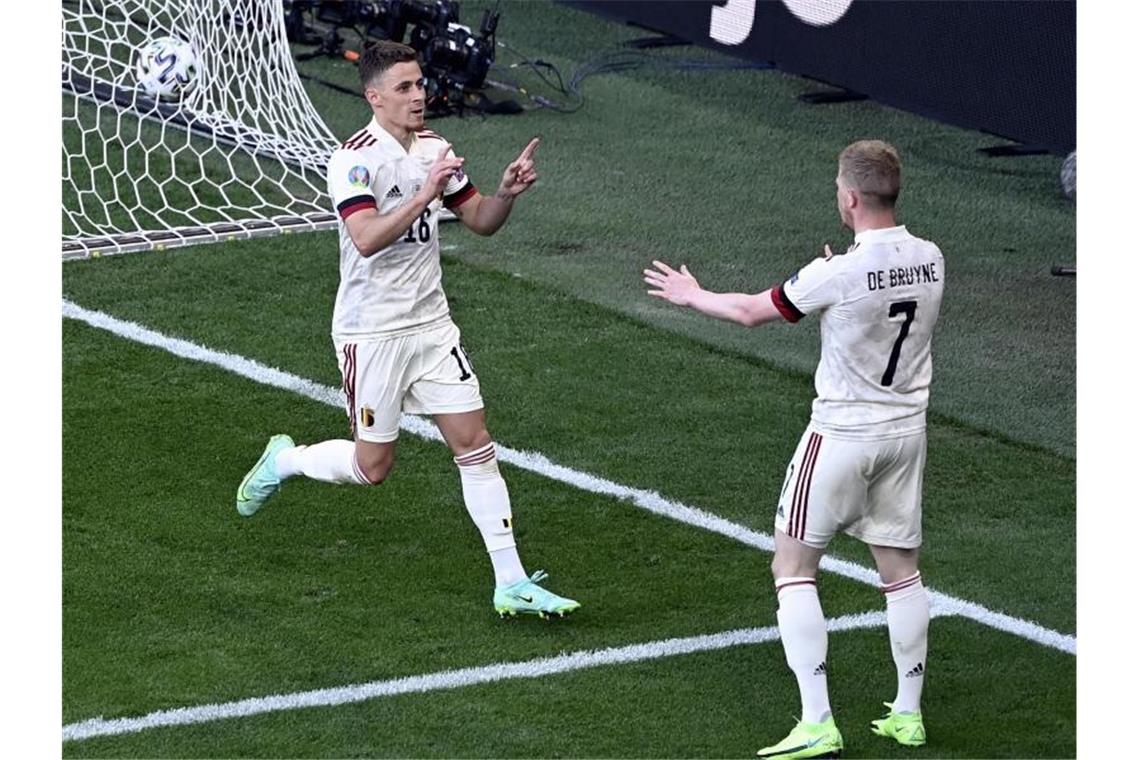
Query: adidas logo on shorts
394, 192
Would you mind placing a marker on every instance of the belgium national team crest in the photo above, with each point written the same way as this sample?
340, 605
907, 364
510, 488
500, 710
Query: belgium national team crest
367, 418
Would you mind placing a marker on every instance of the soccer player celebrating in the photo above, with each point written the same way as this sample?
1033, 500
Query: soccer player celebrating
397, 347
858, 467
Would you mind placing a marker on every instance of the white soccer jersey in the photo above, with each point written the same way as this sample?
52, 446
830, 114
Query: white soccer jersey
399, 290
879, 303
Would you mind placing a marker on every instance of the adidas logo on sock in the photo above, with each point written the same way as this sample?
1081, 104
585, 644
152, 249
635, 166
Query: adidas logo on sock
916, 671
821, 669
394, 192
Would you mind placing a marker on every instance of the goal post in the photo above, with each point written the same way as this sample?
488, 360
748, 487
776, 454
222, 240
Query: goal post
243, 154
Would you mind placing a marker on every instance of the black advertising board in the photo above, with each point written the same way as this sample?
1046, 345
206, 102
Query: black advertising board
1007, 67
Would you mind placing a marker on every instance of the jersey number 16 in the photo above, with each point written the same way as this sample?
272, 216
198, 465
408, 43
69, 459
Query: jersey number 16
422, 227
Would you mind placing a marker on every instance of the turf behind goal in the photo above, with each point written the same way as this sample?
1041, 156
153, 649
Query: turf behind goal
241, 155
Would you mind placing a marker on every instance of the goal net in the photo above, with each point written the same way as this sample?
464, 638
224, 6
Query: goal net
241, 155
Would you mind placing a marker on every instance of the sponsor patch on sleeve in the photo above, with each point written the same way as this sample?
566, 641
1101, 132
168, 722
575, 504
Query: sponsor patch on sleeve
358, 176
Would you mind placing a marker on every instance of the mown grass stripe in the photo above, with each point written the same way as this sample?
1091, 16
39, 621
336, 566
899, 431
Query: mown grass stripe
537, 463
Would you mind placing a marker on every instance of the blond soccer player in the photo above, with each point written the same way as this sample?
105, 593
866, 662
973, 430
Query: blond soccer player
859, 465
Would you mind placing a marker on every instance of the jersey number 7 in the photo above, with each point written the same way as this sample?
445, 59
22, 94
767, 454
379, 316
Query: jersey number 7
899, 307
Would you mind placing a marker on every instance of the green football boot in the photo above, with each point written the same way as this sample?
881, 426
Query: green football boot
808, 740
904, 728
526, 597
261, 482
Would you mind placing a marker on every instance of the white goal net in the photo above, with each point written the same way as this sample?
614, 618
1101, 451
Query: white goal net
242, 154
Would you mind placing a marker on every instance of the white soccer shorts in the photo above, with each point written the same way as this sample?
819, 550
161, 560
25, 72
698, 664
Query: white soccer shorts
871, 490
425, 373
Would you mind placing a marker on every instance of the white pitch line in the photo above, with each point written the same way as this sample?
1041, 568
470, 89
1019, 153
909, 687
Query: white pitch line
449, 679
534, 462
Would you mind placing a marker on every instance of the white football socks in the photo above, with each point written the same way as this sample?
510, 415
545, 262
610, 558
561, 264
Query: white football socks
489, 504
803, 632
908, 618
508, 567
484, 493
328, 461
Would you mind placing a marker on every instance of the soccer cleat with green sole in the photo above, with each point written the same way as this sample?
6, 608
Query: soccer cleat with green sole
807, 740
261, 482
904, 728
528, 598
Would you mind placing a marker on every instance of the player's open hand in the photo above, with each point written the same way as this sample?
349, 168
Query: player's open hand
674, 286
520, 173
442, 171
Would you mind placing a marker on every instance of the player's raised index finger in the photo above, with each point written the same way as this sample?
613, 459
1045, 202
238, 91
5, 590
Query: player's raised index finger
530, 148
443, 153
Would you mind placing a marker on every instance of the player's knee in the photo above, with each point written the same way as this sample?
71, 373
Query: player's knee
375, 466
897, 572
376, 474
472, 441
895, 564
791, 565
783, 568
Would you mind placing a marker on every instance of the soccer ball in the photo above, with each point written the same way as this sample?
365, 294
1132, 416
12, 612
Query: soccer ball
167, 68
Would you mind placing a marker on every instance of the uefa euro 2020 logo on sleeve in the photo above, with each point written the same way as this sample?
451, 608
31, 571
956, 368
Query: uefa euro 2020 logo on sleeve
358, 176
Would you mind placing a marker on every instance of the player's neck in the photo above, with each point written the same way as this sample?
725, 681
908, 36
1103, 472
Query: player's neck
403, 135
874, 222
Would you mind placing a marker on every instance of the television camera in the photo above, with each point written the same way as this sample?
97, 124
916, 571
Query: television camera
454, 59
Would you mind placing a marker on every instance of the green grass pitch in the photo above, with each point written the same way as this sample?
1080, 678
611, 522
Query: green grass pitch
171, 600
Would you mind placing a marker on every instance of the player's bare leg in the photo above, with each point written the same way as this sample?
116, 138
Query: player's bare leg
794, 558
489, 504
908, 619
464, 432
803, 632
894, 564
375, 460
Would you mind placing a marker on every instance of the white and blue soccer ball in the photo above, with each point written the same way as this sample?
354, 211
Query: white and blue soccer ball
167, 68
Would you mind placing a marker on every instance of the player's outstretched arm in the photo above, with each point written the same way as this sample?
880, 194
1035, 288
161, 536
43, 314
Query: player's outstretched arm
485, 215
681, 288
372, 232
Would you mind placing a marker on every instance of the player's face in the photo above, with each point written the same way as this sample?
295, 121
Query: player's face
398, 96
845, 199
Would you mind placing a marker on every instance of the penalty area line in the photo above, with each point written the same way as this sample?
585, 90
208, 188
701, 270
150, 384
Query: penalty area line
449, 679
650, 501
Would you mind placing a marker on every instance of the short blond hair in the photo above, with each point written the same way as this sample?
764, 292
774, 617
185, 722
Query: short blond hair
873, 169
